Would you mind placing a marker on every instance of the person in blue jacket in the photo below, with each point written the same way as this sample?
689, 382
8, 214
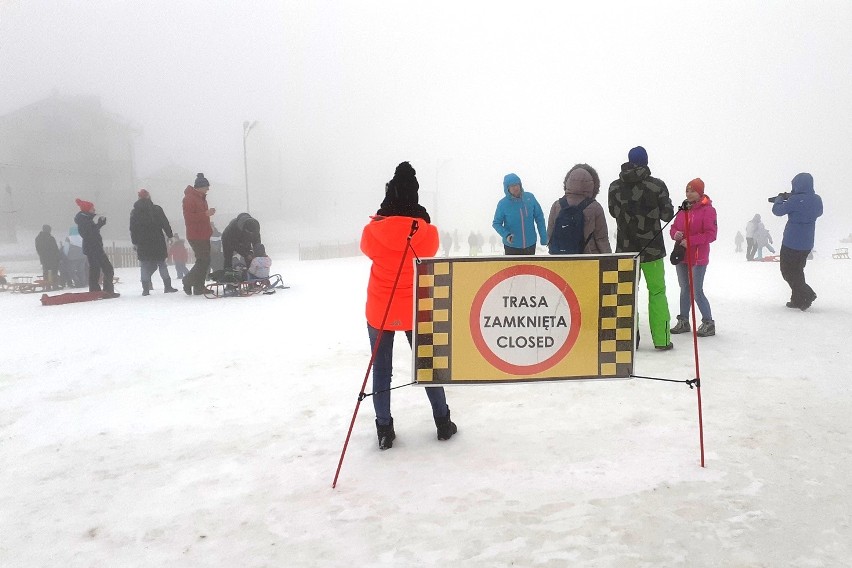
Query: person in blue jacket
516, 218
802, 207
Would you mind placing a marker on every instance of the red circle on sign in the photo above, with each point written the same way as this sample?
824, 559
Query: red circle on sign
490, 284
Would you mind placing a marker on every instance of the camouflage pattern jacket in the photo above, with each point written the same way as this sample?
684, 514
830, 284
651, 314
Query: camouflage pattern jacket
639, 202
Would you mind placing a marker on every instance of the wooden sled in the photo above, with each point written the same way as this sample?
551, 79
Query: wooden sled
841, 253
245, 288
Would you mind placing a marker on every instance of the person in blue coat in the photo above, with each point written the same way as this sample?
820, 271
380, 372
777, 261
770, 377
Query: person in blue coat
517, 216
802, 206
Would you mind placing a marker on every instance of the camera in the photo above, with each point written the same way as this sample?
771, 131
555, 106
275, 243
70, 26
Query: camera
785, 196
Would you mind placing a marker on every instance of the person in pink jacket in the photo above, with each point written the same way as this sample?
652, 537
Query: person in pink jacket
702, 232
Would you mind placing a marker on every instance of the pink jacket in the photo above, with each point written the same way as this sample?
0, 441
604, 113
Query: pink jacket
702, 230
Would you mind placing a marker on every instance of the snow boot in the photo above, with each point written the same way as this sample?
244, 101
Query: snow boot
682, 326
706, 329
167, 287
146, 288
187, 287
446, 427
386, 435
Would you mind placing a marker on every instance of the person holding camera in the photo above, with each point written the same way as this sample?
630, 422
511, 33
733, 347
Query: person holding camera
802, 206
702, 232
93, 248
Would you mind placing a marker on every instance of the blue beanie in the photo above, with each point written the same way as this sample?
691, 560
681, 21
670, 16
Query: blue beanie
638, 156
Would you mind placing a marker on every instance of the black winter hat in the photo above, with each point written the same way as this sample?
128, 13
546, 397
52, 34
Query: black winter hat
678, 254
201, 181
403, 187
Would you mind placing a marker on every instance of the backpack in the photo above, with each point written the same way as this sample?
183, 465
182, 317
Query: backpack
567, 237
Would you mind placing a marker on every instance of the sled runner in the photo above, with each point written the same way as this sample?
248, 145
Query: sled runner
840, 253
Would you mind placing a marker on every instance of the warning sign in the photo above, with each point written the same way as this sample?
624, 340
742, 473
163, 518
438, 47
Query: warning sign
482, 320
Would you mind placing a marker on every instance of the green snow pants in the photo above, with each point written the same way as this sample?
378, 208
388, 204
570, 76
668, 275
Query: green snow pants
658, 304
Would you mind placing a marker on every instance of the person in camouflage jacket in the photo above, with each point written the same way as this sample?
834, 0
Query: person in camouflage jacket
639, 202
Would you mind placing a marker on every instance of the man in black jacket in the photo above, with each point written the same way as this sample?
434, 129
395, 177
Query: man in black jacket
240, 236
148, 223
48, 255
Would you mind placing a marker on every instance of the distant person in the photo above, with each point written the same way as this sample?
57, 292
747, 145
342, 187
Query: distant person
78, 264
762, 240
196, 216
752, 227
492, 240
48, 255
447, 242
639, 203
400, 229
242, 235
702, 232
471, 244
179, 256
802, 207
149, 229
738, 242
93, 248
517, 216
581, 186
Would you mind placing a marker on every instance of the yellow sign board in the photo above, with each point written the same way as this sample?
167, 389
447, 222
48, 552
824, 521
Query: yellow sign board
514, 319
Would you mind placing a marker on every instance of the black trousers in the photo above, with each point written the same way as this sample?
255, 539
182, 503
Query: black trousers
99, 263
516, 251
793, 271
197, 276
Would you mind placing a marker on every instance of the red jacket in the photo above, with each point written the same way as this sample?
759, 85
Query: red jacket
383, 240
195, 215
702, 230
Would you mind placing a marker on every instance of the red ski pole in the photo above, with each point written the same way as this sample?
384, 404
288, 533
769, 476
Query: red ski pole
694, 332
361, 395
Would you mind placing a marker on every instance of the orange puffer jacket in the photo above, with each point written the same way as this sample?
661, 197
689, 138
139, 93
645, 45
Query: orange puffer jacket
384, 240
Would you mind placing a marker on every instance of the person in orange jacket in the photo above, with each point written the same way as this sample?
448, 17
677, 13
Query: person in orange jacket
385, 241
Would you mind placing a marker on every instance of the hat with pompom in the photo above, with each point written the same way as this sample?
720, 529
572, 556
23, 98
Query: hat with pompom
200, 181
697, 185
86, 206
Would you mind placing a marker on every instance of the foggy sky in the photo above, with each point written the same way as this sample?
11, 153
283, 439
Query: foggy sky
742, 94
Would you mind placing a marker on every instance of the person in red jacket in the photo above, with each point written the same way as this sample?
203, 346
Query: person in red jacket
702, 232
196, 216
385, 240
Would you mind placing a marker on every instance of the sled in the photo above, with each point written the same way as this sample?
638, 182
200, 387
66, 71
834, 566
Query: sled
841, 253
771, 258
26, 284
70, 298
244, 288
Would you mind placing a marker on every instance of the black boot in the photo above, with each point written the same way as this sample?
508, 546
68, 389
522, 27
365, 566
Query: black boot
386, 435
446, 427
146, 288
167, 287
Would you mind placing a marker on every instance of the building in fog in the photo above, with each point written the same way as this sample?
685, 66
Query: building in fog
58, 149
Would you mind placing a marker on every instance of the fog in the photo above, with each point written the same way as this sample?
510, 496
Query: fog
742, 94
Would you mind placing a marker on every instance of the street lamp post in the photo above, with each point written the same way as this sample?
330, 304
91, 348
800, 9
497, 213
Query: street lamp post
247, 126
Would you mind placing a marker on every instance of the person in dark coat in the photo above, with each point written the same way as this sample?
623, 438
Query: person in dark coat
93, 248
48, 255
242, 235
148, 223
802, 206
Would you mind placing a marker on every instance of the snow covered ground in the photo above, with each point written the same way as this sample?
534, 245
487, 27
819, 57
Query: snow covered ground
179, 431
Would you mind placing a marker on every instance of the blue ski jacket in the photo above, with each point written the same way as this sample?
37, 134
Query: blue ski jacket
802, 209
519, 217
